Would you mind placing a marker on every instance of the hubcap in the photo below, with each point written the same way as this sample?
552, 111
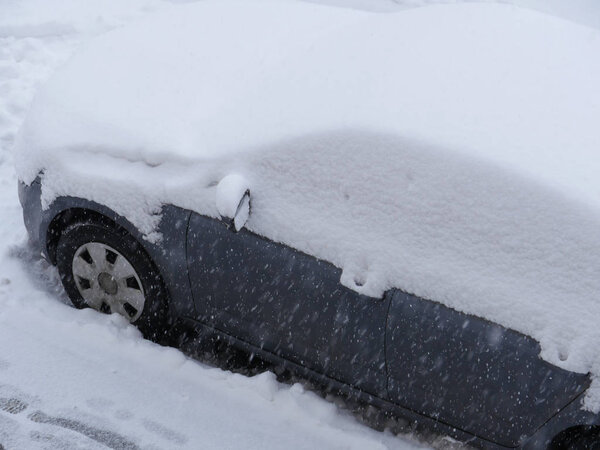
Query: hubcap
107, 281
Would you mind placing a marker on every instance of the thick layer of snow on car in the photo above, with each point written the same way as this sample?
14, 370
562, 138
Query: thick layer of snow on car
581, 11
72, 379
449, 150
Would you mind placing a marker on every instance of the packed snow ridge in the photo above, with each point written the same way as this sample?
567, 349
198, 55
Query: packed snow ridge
449, 150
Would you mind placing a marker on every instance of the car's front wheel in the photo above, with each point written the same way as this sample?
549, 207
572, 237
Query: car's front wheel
105, 268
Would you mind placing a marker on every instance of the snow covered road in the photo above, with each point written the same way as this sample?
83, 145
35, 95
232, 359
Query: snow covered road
79, 379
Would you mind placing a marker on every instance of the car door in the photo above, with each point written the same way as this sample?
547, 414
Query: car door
286, 302
470, 373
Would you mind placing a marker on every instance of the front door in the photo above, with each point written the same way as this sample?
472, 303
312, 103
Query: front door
286, 302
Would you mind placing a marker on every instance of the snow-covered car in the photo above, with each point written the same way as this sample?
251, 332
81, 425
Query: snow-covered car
403, 207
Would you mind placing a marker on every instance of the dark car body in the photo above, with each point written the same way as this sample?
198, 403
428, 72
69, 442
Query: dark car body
456, 374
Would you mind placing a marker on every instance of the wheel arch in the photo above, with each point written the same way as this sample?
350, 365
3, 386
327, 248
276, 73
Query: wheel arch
70, 216
569, 437
168, 256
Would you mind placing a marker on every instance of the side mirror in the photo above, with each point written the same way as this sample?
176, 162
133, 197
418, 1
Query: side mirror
243, 212
233, 200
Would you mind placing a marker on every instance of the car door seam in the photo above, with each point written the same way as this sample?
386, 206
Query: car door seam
390, 293
187, 262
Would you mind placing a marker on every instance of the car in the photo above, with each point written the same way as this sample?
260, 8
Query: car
399, 215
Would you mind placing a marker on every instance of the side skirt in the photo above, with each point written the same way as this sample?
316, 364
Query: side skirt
188, 334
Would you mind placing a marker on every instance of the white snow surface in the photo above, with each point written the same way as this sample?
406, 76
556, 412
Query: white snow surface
449, 150
96, 370
65, 373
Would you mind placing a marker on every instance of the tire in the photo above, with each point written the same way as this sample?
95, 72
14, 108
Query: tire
585, 437
119, 278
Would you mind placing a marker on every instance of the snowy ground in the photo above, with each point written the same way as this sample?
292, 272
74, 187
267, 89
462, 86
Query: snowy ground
78, 379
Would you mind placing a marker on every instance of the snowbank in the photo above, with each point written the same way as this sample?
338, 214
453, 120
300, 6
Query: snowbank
448, 150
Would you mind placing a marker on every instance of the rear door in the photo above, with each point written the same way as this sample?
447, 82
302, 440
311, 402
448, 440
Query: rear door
286, 302
472, 374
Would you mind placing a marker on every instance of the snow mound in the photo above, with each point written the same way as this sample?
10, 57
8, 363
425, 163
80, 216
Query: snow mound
451, 150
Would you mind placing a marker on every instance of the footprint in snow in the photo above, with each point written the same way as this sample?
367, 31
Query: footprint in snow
12, 405
164, 432
108, 438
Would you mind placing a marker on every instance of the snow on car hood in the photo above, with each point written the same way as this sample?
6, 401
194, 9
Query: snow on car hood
451, 150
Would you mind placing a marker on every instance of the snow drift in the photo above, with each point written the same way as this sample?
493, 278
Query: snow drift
451, 151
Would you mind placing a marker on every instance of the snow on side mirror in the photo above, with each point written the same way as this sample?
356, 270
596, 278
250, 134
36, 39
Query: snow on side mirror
233, 200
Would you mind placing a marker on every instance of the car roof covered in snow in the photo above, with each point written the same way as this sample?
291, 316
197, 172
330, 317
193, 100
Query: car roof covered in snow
219, 78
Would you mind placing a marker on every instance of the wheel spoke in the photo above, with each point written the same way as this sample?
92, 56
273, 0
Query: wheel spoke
134, 297
122, 269
98, 254
94, 297
84, 270
125, 309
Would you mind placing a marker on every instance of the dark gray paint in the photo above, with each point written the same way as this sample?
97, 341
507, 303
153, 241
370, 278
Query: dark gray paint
290, 308
286, 302
465, 370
